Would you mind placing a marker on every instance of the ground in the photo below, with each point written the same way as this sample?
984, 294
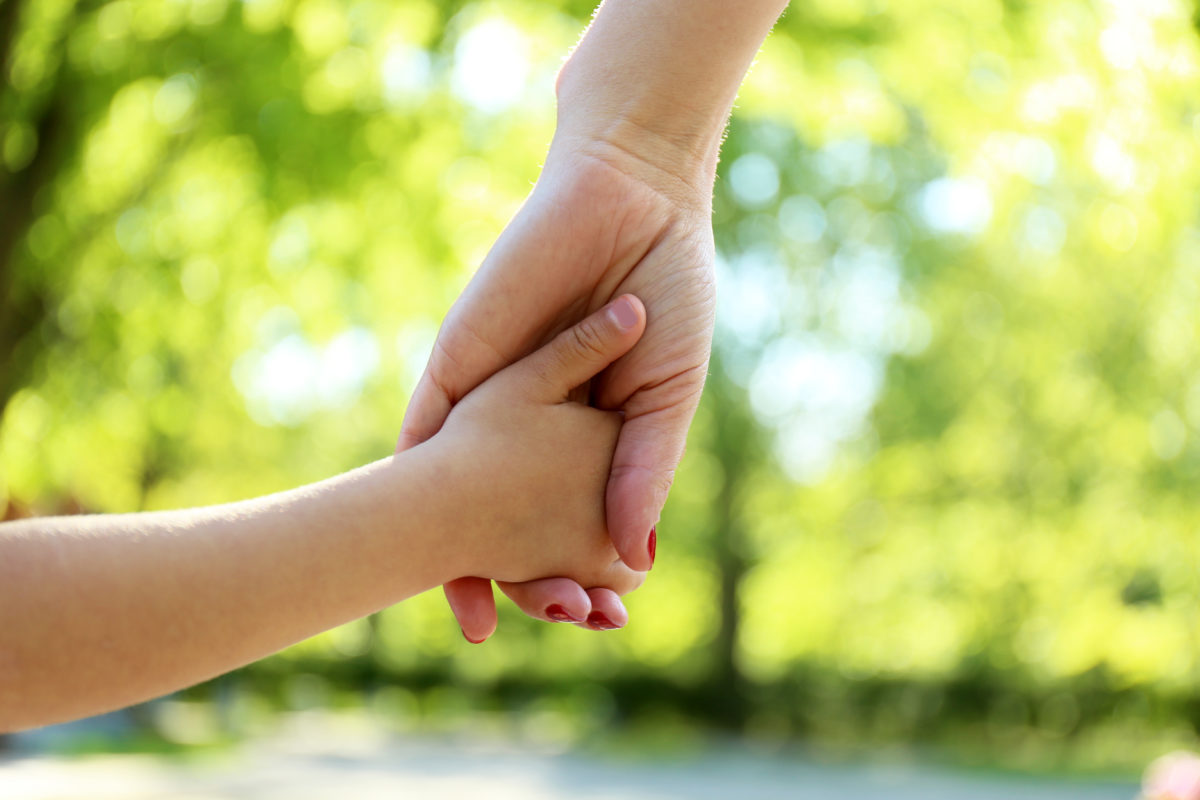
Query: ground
315, 757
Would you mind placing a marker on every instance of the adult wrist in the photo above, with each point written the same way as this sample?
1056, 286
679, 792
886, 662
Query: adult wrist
656, 79
661, 142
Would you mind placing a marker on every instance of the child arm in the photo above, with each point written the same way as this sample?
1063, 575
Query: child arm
98, 612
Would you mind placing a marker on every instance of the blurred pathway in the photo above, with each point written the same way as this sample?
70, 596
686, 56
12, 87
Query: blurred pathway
315, 763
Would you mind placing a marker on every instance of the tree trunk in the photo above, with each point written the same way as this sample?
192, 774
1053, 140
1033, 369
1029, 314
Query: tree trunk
734, 446
23, 308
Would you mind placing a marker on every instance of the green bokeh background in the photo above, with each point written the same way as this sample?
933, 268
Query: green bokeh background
941, 488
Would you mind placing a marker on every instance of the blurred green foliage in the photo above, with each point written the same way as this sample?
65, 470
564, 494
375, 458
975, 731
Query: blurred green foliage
943, 478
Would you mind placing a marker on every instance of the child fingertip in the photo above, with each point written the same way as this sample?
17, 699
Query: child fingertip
623, 313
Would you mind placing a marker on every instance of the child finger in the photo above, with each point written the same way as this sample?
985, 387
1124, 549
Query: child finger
583, 350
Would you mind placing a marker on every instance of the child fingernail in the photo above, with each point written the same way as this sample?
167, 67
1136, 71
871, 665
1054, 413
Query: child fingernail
624, 314
598, 622
473, 641
652, 544
559, 614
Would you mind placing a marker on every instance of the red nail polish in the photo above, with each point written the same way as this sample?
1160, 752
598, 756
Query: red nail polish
598, 622
473, 641
652, 544
559, 614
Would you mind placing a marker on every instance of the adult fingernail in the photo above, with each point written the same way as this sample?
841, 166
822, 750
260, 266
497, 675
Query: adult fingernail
598, 622
559, 614
473, 641
623, 313
652, 544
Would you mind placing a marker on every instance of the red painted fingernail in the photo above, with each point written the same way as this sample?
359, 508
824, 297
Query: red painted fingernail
473, 641
559, 614
652, 545
598, 622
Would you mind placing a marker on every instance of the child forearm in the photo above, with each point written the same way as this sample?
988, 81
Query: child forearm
100, 612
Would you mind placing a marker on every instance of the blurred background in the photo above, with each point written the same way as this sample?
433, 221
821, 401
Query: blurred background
940, 495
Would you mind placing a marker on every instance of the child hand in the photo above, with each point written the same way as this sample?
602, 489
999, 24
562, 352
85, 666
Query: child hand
511, 488
533, 465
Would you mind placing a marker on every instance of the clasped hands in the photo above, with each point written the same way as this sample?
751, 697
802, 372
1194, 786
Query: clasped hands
596, 226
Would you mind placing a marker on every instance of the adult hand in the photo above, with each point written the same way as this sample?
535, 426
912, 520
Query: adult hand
595, 227
622, 205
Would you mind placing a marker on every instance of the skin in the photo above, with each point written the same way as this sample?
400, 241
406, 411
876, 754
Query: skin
622, 205
103, 611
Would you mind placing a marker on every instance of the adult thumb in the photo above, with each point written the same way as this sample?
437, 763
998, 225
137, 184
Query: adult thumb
580, 352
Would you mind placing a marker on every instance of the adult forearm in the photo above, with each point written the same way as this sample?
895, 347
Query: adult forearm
99, 612
659, 77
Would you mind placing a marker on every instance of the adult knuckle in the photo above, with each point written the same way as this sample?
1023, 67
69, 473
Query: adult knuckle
658, 479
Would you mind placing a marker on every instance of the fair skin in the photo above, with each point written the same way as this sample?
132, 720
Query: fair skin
622, 205
104, 611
